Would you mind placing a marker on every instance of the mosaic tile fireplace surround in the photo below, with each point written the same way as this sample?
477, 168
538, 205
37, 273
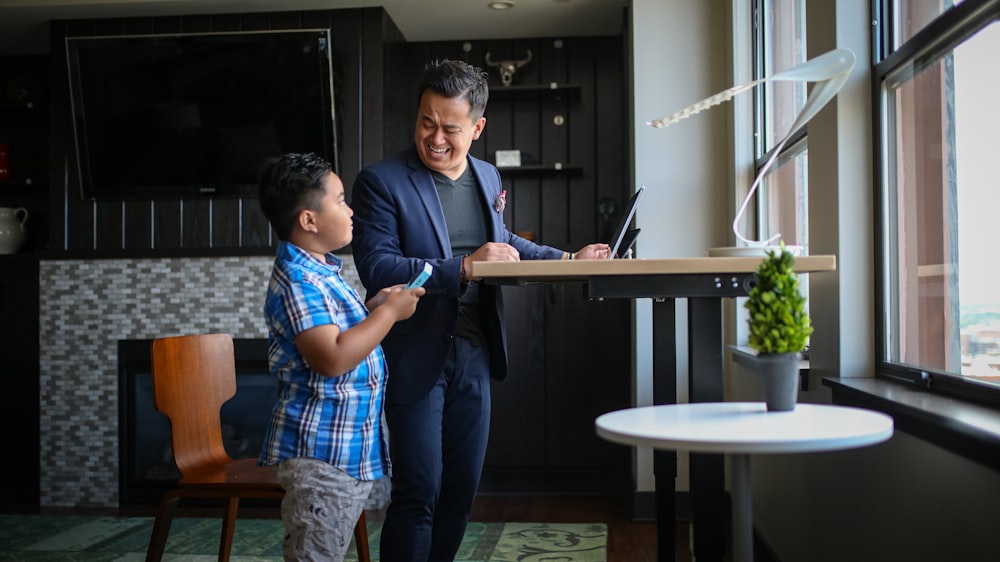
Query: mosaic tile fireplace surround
87, 306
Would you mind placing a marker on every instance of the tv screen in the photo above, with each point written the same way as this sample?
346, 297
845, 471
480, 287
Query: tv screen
195, 115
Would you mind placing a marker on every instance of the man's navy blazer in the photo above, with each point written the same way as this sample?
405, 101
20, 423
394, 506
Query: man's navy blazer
399, 225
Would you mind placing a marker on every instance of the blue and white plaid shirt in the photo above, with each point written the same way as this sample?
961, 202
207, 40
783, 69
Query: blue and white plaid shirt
333, 419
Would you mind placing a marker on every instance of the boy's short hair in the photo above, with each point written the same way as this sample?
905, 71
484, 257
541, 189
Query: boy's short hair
452, 79
289, 184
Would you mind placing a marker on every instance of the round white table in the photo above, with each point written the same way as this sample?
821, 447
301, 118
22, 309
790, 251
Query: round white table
742, 428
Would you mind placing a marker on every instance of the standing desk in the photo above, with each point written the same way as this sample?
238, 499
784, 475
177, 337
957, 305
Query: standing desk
705, 282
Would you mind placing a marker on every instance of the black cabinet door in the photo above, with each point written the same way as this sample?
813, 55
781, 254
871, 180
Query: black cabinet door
568, 363
19, 476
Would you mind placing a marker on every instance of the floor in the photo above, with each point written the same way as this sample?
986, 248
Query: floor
628, 541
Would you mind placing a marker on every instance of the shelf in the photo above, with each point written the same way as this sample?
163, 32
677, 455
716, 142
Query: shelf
23, 106
539, 169
22, 183
551, 91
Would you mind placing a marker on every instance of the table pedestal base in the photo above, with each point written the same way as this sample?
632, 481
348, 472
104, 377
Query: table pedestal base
742, 514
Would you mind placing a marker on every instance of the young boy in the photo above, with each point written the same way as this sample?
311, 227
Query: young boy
325, 435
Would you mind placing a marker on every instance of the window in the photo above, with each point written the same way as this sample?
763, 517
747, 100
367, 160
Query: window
939, 295
780, 41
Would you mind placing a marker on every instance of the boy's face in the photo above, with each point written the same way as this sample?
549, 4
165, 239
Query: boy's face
334, 226
444, 132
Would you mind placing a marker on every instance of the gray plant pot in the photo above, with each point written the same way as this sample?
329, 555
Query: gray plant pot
780, 378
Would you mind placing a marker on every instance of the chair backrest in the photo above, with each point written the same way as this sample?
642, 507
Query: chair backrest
193, 376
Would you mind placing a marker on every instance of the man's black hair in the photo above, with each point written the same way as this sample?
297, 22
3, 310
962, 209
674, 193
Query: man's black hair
452, 79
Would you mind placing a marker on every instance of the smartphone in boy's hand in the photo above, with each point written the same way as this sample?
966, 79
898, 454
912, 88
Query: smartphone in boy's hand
421, 277
415, 283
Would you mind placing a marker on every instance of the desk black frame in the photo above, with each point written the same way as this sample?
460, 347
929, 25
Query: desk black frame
706, 355
704, 293
704, 282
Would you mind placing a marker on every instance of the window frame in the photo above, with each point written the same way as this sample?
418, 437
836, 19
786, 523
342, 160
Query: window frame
949, 29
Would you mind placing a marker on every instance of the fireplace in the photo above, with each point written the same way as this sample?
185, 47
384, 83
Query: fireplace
146, 463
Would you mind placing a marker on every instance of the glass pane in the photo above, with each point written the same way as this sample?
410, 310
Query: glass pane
911, 16
784, 190
783, 46
943, 299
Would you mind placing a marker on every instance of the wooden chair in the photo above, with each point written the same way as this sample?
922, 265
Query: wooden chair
192, 377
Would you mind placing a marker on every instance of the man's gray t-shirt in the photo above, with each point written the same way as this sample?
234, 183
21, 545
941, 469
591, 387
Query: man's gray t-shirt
465, 214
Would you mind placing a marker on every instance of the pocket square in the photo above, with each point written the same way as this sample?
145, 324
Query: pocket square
500, 203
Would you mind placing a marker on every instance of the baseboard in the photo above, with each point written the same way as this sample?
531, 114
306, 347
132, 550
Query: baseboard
548, 481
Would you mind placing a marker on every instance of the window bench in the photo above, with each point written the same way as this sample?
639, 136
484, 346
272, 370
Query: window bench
962, 427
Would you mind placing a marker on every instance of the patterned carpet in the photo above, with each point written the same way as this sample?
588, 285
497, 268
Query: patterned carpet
52, 538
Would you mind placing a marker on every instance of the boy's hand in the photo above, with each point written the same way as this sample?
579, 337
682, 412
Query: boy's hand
403, 302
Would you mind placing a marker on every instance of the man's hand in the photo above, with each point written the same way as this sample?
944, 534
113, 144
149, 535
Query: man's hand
491, 251
593, 252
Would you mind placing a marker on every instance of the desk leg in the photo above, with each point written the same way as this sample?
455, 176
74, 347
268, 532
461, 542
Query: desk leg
706, 359
739, 475
665, 392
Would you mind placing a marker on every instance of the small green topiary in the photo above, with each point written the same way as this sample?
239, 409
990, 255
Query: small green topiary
779, 322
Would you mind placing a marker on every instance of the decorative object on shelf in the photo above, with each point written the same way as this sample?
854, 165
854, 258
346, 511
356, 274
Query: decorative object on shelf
4, 162
508, 158
830, 70
12, 229
507, 68
779, 328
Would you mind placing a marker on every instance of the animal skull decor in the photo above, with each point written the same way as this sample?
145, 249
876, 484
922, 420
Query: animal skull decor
508, 67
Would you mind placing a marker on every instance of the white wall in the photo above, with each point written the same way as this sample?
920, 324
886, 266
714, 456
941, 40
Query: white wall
679, 57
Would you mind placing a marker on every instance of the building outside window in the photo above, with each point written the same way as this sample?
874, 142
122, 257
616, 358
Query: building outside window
780, 44
939, 196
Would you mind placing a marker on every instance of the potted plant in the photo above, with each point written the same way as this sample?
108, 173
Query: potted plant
779, 327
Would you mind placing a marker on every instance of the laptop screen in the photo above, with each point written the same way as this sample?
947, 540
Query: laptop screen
620, 233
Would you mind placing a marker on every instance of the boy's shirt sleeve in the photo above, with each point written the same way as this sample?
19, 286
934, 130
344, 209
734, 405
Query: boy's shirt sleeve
308, 305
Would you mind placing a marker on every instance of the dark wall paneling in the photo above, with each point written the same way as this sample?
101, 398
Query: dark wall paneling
582, 142
24, 129
217, 225
609, 162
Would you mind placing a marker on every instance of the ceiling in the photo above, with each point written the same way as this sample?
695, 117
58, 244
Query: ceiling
23, 28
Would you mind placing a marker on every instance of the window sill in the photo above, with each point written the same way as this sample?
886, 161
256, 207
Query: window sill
967, 429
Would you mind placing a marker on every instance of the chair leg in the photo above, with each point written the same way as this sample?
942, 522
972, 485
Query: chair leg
361, 539
228, 528
161, 528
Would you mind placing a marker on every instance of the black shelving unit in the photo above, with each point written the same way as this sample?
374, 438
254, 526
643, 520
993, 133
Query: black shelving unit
540, 169
553, 90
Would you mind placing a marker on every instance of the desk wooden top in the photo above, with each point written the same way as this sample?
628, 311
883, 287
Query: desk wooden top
582, 269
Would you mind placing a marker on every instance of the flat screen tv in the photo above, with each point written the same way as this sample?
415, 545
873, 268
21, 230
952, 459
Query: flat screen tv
195, 115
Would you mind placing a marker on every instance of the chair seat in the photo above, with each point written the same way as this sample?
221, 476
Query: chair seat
243, 472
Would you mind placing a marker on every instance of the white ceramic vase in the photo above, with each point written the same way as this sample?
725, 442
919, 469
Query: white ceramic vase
12, 229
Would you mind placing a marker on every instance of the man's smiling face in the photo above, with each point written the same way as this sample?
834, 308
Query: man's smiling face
444, 132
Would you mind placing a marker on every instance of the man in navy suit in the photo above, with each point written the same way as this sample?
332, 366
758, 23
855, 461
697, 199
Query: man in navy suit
434, 203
